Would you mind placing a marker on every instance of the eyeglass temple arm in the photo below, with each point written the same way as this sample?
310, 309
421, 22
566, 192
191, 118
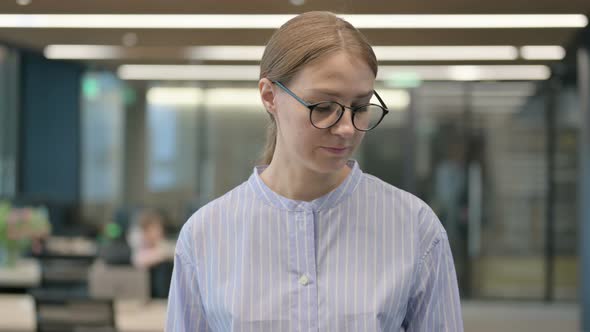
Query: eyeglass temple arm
380, 100
284, 88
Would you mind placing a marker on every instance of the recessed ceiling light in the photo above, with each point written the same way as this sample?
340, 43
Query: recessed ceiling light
129, 39
23, 2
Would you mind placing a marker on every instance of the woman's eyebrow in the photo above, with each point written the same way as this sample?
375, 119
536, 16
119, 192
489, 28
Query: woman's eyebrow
337, 94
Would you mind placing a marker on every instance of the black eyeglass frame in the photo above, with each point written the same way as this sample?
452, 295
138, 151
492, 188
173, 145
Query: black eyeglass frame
383, 107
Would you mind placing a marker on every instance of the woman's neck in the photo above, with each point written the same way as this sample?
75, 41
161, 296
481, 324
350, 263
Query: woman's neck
300, 183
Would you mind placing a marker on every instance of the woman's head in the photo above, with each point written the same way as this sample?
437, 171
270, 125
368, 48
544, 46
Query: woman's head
151, 224
319, 57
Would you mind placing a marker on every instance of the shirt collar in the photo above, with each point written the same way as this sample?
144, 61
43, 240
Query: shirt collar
324, 202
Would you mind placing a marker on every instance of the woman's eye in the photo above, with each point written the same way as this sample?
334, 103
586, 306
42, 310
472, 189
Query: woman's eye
323, 110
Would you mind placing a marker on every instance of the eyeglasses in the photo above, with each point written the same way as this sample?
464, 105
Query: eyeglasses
326, 114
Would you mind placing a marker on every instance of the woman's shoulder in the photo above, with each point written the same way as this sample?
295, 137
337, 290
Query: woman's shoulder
374, 185
194, 229
214, 209
416, 211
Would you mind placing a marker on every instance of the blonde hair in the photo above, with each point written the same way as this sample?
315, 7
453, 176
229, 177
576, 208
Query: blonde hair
302, 40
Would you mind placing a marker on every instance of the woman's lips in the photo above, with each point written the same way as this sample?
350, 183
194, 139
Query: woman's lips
336, 150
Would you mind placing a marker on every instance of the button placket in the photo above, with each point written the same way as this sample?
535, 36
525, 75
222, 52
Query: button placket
300, 221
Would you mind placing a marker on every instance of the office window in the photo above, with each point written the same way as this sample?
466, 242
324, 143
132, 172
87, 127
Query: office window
566, 226
202, 141
172, 135
102, 137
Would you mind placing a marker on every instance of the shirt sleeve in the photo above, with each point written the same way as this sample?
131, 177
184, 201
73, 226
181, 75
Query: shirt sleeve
185, 310
434, 304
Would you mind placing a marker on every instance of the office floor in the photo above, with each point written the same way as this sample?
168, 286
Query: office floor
520, 317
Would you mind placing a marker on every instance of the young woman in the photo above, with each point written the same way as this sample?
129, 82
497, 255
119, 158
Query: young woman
310, 242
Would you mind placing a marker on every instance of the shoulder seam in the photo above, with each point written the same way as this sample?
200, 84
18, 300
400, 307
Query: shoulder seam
432, 246
184, 260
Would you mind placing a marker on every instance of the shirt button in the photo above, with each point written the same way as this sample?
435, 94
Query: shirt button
304, 280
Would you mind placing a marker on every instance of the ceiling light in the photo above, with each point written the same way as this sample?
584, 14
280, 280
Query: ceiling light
468, 73
393, 98
101, 52
551, 52
273, 21
129, 39
254, 53
175, 96
445, 53
240, 97
423, 73
189, 72
512, 89
491, 21
142, 21
239, 53
84, 52
243, 98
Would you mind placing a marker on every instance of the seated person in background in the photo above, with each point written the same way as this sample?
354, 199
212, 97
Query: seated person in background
148, 241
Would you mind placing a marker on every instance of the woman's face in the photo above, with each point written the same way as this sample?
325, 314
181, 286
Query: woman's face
153, 233
339, 77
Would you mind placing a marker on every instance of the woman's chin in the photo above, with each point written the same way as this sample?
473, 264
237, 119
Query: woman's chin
331, 165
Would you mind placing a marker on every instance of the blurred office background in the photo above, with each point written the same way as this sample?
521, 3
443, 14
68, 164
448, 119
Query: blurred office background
102, 118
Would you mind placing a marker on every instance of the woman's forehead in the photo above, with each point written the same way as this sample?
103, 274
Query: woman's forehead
336, 72
337, 85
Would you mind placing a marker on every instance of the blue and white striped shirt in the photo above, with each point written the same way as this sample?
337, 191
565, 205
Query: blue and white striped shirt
364, 257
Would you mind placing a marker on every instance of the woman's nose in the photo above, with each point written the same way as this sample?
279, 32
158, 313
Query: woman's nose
344, 126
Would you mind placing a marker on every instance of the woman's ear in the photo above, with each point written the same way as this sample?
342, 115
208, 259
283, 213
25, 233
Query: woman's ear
267, 95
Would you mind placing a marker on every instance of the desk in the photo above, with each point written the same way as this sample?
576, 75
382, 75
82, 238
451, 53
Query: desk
70, 247
26, 274
140, 316
18, 313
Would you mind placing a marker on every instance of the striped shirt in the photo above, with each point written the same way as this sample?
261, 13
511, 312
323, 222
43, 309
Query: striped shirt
364, 257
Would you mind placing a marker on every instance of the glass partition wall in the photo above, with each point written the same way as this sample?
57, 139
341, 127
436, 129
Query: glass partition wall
476, 152
8, 121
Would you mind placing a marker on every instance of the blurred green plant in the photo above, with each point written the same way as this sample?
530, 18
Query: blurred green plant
19, 227
111, 231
